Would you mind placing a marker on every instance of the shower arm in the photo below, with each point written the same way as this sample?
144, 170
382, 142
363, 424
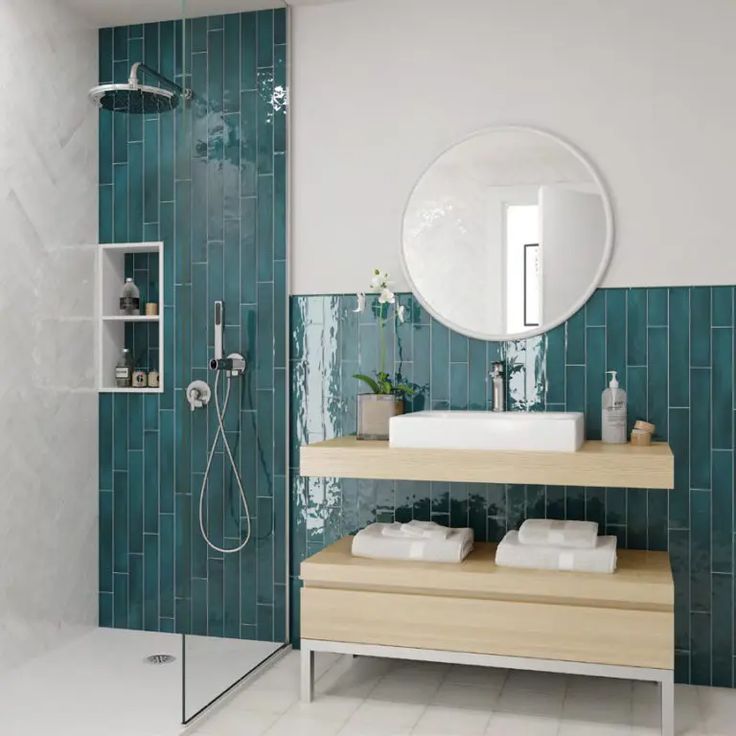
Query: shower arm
139, 68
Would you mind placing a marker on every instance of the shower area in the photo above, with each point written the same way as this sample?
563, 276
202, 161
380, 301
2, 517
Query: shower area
193, 548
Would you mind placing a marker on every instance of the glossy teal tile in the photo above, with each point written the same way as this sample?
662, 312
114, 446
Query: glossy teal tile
135, 502
183, 213
167, 52
636, 324
595, 379
636, 519
722, 308
722, 388
700, 551
264, 364
700, 428
636, 395
265, 33
186, 509
679, 440
679, 342
120, 601
595, 310
722, 524
105, 213
105, 54
166, 564
722, 631
106, 531
120, 207
657, 307
700, 320
616, 332
264, 228
150, 582
231, 79
135, 592
215, 590
105, 609
264, 121
166, 462
700, 648
575, 339
679, 550
657, 380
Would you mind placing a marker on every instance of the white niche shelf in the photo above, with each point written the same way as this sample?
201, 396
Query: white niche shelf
111, 324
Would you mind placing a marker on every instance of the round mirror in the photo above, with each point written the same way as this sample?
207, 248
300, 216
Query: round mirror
507, 234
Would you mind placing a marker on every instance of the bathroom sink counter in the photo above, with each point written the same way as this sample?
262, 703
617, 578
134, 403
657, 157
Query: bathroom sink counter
595, 464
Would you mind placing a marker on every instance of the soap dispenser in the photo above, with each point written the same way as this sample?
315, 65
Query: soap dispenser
613, 412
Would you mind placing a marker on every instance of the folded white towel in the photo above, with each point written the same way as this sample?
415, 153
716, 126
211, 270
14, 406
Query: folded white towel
425, 530
578, 534
374, 543
601, 558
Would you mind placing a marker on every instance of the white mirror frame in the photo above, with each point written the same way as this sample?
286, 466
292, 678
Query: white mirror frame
600, 273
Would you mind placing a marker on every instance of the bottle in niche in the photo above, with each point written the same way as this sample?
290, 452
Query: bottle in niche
130, 299
613, 419
124, 369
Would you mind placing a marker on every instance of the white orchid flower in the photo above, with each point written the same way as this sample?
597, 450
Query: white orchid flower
360, 306
379, 280
401, 313
387, 296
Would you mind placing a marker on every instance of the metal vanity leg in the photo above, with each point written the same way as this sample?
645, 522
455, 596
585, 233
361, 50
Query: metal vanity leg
668, 704
307, 662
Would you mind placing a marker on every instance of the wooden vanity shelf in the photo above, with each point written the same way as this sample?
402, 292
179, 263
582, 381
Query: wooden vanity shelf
619, 625
595, 464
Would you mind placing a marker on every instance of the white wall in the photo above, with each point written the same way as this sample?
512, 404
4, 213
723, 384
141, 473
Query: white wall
380, 87
48, 409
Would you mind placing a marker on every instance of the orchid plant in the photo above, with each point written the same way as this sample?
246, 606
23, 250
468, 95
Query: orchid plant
384, 382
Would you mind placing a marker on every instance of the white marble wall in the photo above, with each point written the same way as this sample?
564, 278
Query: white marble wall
48, 406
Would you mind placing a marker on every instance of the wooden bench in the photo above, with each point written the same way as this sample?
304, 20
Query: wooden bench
619, 625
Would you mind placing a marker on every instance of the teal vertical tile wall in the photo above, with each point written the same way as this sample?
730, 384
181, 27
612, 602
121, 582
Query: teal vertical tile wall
209, 180
674, 350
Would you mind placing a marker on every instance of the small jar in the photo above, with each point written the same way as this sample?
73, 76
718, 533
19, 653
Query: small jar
153, 379
139, 379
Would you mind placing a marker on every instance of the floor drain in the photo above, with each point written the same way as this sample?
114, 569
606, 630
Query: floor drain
160, 659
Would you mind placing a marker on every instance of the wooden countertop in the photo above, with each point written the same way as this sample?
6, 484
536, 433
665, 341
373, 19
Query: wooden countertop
642, 581
595, 464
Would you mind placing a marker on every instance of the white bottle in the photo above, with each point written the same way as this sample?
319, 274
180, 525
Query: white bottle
130, 298
613, 414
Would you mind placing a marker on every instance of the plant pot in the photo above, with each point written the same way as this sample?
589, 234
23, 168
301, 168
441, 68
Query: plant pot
374, 411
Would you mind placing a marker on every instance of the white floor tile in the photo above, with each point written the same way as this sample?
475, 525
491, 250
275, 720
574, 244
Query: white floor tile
389, 715
593, 728
511, 724
236, 723
327, 707
439, 721
303, 726
473, 697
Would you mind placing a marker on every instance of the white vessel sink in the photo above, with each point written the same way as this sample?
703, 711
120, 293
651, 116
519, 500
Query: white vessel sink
485, 430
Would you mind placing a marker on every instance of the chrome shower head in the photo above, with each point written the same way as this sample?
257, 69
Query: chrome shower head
136, 98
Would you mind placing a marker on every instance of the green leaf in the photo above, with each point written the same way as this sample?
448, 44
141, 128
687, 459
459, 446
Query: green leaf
369, 381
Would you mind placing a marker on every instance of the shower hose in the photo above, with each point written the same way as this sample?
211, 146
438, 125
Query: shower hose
220, 411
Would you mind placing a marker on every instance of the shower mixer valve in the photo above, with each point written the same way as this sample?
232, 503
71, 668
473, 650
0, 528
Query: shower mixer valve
233, 365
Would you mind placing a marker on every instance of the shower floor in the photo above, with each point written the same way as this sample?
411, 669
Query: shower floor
100, 684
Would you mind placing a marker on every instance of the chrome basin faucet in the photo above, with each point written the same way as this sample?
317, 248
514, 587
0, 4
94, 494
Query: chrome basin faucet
497, 375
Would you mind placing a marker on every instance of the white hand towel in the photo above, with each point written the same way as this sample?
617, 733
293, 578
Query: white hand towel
374, 543
601, 558
578, 534
425, 530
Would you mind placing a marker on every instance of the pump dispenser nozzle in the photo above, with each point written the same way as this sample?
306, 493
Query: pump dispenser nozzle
614, 379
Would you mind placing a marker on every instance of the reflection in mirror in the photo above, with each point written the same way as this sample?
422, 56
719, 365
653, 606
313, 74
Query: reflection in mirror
506, 234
